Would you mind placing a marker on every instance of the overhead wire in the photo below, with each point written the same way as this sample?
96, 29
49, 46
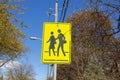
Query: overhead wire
63, 6
65, 11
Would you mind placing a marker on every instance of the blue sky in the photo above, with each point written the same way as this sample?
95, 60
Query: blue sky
35, 16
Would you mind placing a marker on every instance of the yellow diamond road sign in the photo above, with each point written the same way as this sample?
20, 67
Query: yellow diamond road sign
56, 45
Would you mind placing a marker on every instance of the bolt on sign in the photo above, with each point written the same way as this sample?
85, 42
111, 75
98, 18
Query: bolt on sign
56, 45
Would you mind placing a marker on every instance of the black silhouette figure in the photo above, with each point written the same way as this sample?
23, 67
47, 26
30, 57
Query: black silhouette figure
61, 38
52, 43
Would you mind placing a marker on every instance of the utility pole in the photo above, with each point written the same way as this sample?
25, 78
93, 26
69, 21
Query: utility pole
54, 67
56, 11
56, 20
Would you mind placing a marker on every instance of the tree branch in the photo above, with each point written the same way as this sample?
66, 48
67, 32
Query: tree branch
2, 64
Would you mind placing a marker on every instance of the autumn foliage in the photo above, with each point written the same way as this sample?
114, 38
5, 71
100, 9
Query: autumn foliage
95, 51
11, 45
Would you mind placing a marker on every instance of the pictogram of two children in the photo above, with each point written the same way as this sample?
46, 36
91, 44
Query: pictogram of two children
52, 41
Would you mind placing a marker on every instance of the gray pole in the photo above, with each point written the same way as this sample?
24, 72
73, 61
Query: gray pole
56, 20
48, 70
56, 11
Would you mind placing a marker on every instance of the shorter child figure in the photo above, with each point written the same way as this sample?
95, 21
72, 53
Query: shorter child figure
52, 43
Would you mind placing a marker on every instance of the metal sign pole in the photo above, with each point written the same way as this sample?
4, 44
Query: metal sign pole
56, 20
55, 71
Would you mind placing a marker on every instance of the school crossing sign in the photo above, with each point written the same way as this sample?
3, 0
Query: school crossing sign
56, 43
